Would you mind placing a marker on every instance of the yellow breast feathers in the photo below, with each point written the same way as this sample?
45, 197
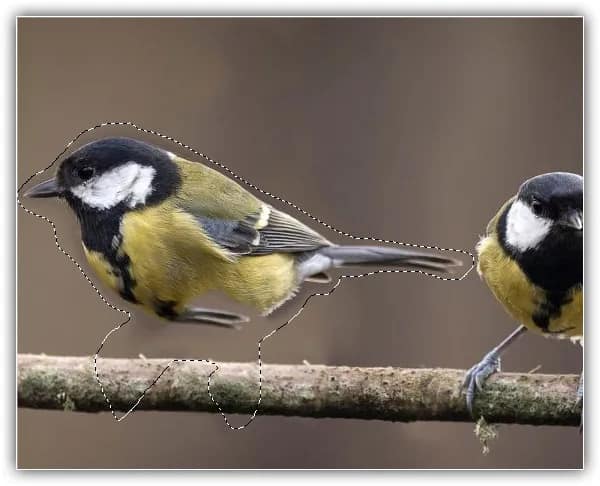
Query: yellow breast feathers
172, 260
520, 297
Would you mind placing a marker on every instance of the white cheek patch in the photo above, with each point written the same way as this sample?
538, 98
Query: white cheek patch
525, 230
129, 182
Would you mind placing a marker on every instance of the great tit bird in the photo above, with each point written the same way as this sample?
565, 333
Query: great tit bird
531, 258
161, 230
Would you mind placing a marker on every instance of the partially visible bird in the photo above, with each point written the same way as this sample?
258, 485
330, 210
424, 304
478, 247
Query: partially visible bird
161, 230
531, 258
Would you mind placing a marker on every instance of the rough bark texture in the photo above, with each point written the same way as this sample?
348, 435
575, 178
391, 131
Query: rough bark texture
394, 394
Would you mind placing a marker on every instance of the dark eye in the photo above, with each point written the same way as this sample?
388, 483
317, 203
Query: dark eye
537, 207
85, 173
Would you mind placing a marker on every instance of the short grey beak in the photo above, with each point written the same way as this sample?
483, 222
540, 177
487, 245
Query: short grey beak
573, 219
49, 188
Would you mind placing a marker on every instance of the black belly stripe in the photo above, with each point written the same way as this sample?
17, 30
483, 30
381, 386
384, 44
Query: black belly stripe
100, 232
128, 283
550, 308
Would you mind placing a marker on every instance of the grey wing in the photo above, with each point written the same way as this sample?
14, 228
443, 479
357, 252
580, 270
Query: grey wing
238, 237
270, 231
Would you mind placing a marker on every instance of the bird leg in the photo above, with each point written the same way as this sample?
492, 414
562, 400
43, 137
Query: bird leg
213, 317
490, 364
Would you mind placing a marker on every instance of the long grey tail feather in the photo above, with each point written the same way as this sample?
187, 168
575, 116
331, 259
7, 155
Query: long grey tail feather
386, 256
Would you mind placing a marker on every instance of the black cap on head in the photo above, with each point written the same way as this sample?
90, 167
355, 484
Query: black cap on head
556, 190
103, 155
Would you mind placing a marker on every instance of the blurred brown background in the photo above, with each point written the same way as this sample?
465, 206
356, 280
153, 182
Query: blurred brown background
408, 129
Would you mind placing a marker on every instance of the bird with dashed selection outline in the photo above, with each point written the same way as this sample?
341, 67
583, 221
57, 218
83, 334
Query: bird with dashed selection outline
162, 230
531, 258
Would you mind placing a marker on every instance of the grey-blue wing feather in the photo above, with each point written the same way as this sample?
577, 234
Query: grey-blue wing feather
236, 236
284, 234
280, 234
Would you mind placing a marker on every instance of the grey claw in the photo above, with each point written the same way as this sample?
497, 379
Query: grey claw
477, 375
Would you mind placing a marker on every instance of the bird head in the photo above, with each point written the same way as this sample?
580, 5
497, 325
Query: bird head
547, 207
112, 173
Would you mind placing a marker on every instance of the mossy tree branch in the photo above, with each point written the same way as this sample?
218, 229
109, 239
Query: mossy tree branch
393, 394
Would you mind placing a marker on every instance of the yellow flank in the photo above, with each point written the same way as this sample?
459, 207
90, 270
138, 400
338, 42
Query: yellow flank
519, 296
264, 282
172, 260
